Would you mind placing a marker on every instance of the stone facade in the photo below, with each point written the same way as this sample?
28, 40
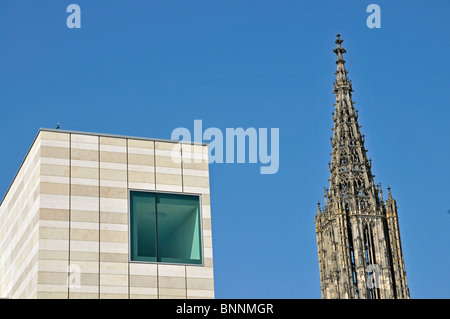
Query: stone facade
358, 237
65, 218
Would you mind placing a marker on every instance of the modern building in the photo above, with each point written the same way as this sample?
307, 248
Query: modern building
358, 236
104, 216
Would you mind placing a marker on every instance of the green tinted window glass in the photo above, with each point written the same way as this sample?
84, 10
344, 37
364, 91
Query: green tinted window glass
165, 228
143, 226
179, 237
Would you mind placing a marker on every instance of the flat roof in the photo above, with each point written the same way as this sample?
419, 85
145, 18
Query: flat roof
93, 134
121, 136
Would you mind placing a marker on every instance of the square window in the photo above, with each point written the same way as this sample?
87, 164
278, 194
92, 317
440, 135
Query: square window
165, 228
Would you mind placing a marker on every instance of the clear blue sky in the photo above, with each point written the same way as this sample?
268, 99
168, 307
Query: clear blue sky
144, 68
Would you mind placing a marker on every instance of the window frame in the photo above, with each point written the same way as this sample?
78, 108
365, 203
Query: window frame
201, 264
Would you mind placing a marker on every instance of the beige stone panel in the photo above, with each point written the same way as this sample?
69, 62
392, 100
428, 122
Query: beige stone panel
193, 158
113, 183
50, 294
81, 256
113, 280
57, 278
143, 269
113, 192
84, 172
206, 199
85, 181
54, 201
81, 163
113, 174
84, 234
207, 262
200, 283
204, 166
207, 232
84, 246
114, 227
114, 218
114, 236
88, 283
168, 161
53, 224
54, 214
171, 270
141, 177
141, 168
113, 205
45, 135
143, 281
112, 154
54, 170
206, 223
55, 143
84, 138
196, 190
169, 188
194, 148
168, 170
105, 140
207, 241
195, 172
200, 294
53, 255
84, 216
114, 268
142, 186
84, 146
54, 188
113, 166
143, 293
171, 282
113, 157
113, 257
80, 203
206, 210
113, 247
55, 161
84, 190
107, 295
196, 181
53, 233
52, 265
159, 145
55, 152
199, 272
54, 179
132, 143
168, 179
83, 295
85, 225
140, 159
110, 295
207, 252
172, 293
84, 155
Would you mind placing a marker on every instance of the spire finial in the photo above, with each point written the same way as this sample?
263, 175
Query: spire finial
341, 73
338, 40
389, 192
339, 50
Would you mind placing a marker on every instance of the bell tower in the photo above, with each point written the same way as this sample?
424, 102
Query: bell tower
358, 238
